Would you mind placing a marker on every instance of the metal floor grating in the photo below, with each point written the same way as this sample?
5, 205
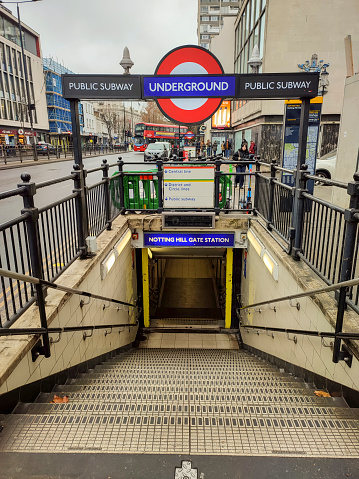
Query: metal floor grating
185, 401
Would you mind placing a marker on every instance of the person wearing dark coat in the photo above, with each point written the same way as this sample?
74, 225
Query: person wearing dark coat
243, 154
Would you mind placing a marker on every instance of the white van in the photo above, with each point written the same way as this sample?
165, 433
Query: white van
161, 149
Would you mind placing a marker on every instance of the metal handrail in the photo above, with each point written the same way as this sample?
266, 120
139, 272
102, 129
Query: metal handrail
333, 287
30, 279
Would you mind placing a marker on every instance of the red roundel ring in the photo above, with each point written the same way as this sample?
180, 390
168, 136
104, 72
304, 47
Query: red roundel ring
205, 60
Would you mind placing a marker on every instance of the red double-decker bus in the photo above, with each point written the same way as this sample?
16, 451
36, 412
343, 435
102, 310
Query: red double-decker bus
146, 133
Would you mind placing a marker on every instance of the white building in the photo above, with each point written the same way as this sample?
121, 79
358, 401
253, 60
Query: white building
14, 117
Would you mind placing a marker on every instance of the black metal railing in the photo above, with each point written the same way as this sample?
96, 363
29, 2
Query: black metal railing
25, 153
44, 241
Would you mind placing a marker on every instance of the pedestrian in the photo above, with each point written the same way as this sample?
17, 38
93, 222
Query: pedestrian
223, 148
243, 154
198, 148
228, 146
244, 142
203, 146
214, 147
253, 149
209, 147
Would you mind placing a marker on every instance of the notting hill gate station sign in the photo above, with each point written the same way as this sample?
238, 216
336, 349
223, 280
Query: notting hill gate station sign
189, 86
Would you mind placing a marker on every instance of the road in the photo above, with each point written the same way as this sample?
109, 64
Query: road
10, 178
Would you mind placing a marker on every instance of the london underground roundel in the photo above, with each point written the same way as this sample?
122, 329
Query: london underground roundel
189, 60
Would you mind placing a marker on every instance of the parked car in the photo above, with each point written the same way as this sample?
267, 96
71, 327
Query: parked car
325, 166
159, 149
45, 148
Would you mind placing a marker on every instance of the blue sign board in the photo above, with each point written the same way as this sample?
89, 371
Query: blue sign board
189, 86
181, 240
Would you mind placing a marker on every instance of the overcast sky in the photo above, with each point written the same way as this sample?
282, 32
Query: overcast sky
88, 36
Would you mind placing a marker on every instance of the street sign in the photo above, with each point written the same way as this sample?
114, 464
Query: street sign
184, 61
277, 85
188, 187
94, 87
180, 240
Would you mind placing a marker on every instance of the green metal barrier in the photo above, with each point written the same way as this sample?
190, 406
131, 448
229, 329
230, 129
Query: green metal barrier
225, 190
140, 190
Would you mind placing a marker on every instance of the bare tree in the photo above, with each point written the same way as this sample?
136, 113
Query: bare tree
152, 114
111, 120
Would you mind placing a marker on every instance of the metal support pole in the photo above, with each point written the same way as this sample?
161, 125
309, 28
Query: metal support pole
297, 216
347, 262
256, 188
35, 252
300, 209
159, 164
79, 180
106, 185
121, 188
217, 175
81, 209
30, 106
271, 194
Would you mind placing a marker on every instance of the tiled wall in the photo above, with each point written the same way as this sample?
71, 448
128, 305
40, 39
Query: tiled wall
309, 353
64, 311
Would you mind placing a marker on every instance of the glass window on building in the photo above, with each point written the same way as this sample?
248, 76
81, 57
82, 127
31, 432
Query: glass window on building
214, 18
204, 18
2, 57
204, 9
1, 88
19, 62
6, 84
29, 68
14, 61
257, 9
18, 92
12, 88
9, 109
8, 58
3, 110
205, 45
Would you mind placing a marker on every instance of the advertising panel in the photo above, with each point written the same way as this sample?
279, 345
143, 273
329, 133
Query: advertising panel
222, 118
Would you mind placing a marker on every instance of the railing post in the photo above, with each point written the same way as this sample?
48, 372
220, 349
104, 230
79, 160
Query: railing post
271, 194
298, 210
159, 164
120, 185
105, 167
32, 228
347, 262
81, 208
217, 175
256, 188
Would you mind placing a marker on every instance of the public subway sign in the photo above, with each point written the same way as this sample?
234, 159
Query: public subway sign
277, 85
181, 240
189, 85
97, 87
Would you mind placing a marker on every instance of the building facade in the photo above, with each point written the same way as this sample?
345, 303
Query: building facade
211, 14
15, 127
288, 34
58, 108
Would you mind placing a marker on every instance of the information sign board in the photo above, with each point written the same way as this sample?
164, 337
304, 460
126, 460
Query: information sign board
291, 138
180, 240
188, 186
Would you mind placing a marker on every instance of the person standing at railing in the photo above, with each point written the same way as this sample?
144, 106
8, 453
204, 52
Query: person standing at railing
214, 147
242, 154
223, 148
209, 147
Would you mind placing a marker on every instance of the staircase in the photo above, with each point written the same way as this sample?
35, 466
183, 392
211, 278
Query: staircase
197, 404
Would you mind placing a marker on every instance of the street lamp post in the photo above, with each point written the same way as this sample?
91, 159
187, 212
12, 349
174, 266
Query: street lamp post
30, 106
